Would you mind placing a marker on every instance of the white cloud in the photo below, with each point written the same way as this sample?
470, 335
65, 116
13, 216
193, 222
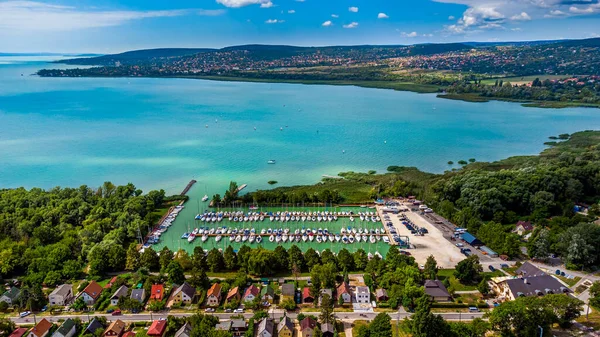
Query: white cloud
37, 16
411, 34
291, 11
451, 17
577, 10
521, 17
427, 35
244, 3
327, 23
382, 16
299, 0
351, 25
211, 12
353, 9
271, 21
335, 16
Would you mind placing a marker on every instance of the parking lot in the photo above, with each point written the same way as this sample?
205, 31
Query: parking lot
433, 242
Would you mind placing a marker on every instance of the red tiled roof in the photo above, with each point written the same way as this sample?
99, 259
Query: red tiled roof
19, 332
157, 328
306, 293
251, 290
111, 282
93, 290
233, 293
129, 334
215, 290
343, 289
42, 327
307, 323
157, 292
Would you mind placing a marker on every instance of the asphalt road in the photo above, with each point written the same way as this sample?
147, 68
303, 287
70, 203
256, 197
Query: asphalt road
276, 314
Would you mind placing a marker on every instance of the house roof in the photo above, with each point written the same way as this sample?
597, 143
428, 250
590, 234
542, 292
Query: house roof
238, 323
285, 322
117, 327
12, 293
362, 290
138, 294
381, 293
251, 290
436, 288
538, 285
343, 288
287, 289
157, 328
157, 291
265, 325
307, 323
19, 332
233, 292
42, 327
215, 290
93, 290
129, 334
186, 289
327, 327
327, 291
223, 326
62, 290
66, 327
267, 290
306, 293
121, 292
184, 331
470, 239
529, 270
93, 326
525, 224
111, 282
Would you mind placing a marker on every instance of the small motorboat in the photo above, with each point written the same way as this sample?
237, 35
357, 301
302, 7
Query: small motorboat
271, 238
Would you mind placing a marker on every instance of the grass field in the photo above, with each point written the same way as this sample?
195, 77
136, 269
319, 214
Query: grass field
455, 283
524, 79
570, 281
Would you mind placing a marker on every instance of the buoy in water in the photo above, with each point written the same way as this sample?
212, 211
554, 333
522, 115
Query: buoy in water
206, 126
255, 128
385, 142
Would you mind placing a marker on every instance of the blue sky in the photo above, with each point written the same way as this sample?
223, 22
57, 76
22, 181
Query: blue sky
108, 26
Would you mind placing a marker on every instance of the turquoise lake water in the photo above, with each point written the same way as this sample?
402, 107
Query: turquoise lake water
152, 132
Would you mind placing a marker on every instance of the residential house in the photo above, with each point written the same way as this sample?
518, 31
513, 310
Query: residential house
138, 295
288, 291
285, 328
213, 295
115, 329
93, 326
307, 327
344, 291
233, 294
523, 226
157, 328
223, 326
362, 295
184, 331
129, 334
327, 330
10, 296
529, 270
306, 296
19, 332
184, 294
381, 295
251, 293
111, 283
511, 288
267, 294
91, 293
238, 327
67, 329
121, 292
157, 292
437, 291
328, 292
265, 328
62, 295
41, 329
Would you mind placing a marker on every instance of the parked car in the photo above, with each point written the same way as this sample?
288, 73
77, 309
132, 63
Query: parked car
460, 245
228, 310
116, 312
209, 310
110, 311
492, 268
473, 309
504, 266
238, 311
25, 314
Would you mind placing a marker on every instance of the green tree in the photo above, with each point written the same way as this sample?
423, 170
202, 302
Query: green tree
132, 261
468, 270
345, 260
296, 257
149, 259
430, 269
230, 258
215, 260
327, 315
381, 326
595, 295
281, 259
175, 273
425, 324
7, 326
311, 258
360, 259
165, 258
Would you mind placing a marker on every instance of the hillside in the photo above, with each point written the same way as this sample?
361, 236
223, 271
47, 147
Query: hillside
136, 56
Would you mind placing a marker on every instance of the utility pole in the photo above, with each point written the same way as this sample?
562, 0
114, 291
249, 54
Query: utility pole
541, 331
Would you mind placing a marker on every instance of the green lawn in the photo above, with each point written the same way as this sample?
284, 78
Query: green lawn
570, 281
524, 79
454, 283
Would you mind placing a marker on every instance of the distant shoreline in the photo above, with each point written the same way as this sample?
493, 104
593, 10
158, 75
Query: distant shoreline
397, 86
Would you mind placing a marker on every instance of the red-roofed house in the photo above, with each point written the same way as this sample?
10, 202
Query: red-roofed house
523, 226
251, 293
129, 334
344, 291
306, 297
157, 293
157, 329
41, 329
19, 332
91, 293
111, 282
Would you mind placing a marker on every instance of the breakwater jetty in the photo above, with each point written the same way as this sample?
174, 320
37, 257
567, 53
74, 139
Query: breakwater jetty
187, 188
